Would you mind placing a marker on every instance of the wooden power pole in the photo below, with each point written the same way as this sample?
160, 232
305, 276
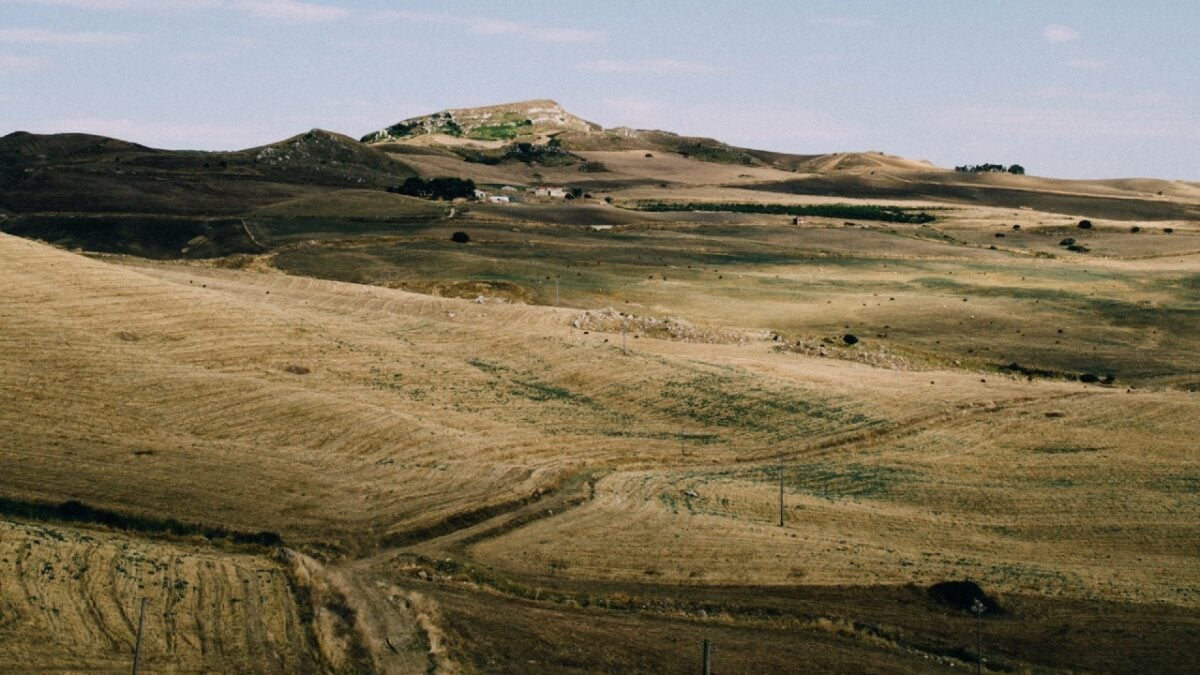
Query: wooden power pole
137, 646
781, 488
707, 657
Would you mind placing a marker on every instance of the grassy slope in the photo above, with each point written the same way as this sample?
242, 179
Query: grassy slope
421, 416
416, 409
71, 596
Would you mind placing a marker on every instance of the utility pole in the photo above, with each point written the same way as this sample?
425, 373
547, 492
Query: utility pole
682, 451
707, 658
137, 646
556, 302
623, 338
781, 488
978, 607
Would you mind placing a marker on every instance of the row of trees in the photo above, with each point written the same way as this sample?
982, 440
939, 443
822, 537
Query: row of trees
991, 168
443, 187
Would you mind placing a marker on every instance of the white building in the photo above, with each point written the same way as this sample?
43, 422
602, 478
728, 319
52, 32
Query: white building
499, 199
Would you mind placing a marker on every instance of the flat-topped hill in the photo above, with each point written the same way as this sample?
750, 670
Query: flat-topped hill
521, 119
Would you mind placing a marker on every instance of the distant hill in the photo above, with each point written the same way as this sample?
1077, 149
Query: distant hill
500, 133
85, 173
104, 194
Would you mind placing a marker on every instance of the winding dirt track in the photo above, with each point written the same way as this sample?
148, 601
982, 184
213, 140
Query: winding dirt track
371, 425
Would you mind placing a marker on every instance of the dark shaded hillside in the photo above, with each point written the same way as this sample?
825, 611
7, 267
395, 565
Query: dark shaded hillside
82, 173
972, 189
149, 236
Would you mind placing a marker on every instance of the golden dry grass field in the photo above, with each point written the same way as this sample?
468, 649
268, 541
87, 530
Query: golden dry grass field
561, 449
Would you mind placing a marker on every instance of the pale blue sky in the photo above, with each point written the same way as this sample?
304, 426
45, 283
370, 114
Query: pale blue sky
1070, 89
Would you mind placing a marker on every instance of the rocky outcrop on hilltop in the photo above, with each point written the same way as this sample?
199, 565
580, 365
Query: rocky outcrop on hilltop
505, 122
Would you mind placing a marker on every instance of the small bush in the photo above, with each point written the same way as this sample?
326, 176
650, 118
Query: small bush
1085, 224
1078, 248
460, 237
1067, 242
1016, 228
1168, 230
961, 595
297, 370
1135, 229
850, 339
999, 235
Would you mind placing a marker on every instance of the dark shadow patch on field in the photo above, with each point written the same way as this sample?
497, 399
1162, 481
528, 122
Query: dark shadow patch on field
163, 237
918, 188
276, 231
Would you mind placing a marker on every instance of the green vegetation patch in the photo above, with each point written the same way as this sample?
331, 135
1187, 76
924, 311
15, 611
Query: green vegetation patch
737, 401
836, 481
500, 132
1064, 449
890, 214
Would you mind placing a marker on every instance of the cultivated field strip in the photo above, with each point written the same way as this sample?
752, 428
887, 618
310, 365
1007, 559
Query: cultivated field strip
69, 601
413, 408
1073, 505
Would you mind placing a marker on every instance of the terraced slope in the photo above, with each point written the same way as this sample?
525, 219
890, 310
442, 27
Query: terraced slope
70, 598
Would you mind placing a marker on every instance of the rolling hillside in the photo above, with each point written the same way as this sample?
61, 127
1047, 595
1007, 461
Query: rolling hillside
807, 407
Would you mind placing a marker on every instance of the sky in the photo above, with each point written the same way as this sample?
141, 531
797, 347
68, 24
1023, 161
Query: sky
1071, 89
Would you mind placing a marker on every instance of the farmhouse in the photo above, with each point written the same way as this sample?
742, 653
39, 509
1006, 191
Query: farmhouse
498, 199
550, 191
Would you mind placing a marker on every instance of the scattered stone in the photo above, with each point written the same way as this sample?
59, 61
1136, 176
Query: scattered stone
297, 370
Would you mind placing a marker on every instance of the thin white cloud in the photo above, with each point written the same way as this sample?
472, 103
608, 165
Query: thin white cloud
10, 63
1058, 34
1071, 121
1087, 64
649, 67
533, 32
293, 10
118, 5
491, 26
43, 36
844, 22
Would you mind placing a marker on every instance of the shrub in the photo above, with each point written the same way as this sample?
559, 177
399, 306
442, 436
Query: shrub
962, 594
1135, 229
850, 339
460, 237
1168, 230
442, 187
1085, 224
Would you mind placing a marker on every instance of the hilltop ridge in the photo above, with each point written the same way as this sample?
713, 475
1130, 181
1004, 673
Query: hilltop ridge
505, 121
